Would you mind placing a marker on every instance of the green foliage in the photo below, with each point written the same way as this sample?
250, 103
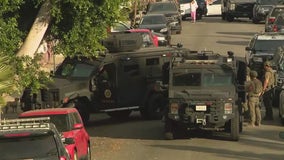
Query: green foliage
78, 25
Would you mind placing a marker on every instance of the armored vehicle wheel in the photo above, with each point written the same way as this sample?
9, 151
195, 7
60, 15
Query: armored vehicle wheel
230, 18
119, 114
255, 21
170, 129
198, 16
155, 107
235, 130
82, 105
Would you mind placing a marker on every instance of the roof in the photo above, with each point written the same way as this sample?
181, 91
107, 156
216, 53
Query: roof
270, 36
49, 111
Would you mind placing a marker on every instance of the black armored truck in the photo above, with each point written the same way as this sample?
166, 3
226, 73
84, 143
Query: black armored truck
205, 91
115, 82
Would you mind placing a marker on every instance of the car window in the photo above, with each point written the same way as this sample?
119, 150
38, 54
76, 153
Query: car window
277, 11
279, 20
75, 70
119, 27
153, 20
32, 147
267, 45
268, 2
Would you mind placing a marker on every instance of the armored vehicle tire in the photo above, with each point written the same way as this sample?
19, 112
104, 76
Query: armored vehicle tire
119, 114
155, 107
198, 16
235, 130
82, 105
230, 18
255, 21
170, 129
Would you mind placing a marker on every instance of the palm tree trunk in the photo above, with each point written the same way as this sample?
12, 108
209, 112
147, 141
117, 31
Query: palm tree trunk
37, 31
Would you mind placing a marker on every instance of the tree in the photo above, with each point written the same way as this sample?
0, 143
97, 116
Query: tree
78, 25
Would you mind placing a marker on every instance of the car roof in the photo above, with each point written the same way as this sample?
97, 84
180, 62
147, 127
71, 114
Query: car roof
270, 36
49, 111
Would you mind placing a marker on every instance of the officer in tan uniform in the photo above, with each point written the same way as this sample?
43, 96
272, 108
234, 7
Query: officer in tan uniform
268, 84
254, 90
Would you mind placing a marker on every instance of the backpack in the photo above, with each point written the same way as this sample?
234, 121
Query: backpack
257, 85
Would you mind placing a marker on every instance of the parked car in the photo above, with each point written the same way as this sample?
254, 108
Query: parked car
149, 39
270, 18
185, 9
262, 8
67, 121
278, 25
33, 139
214, 8
261, 48
171, 11
157, 23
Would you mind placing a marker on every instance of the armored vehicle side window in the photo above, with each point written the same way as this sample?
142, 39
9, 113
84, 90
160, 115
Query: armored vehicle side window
152, 61
132, 70
75, 70
186, 79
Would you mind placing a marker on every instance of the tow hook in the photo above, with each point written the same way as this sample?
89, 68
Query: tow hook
201, 121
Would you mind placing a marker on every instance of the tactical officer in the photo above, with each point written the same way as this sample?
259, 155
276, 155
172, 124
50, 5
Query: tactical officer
268, 84
254, 90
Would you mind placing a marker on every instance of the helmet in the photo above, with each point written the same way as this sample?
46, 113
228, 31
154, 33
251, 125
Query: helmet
253, 73
267, 63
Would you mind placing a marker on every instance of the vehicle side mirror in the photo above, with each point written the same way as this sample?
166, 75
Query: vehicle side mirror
78, 126
281, 135
248, 49
92, 85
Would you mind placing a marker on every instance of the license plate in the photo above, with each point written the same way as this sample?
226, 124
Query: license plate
200, 108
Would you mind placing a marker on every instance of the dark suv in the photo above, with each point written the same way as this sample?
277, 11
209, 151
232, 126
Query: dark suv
32, 138
170, 9
261, 9
261, 48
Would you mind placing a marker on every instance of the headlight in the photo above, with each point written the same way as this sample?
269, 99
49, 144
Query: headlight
228, 108
232, 6
174, 108
164, 30
257, 59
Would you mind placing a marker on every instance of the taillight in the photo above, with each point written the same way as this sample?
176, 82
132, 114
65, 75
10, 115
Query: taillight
174, 108
62, 158
228, 108
275, 28
271, 19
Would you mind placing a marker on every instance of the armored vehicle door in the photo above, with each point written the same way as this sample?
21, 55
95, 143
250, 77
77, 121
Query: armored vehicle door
106, 82
131, 83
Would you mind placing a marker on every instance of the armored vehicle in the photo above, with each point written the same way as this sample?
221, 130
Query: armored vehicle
203, 93
232, 9
115, 82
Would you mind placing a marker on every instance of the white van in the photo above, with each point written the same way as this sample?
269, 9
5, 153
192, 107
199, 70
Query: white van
185, 8
213, 8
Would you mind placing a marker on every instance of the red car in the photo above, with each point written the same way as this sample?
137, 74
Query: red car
67, 121
149, 39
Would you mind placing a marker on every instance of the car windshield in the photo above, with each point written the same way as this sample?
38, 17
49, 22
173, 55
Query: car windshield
268, 2
268, 45
32, 147
82, 70
153, 20
207, 78
162, 7
277, 11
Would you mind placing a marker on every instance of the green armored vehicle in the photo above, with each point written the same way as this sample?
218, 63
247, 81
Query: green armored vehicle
203, 93
115, 83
